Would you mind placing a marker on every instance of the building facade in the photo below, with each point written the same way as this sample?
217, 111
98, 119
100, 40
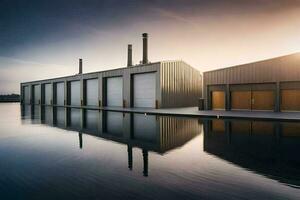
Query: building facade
269, 85
151, 85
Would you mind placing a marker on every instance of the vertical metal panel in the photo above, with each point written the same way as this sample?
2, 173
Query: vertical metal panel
37, 94
75, 93
176, 131
144, 90
60, 93
181, 85
48, 94
114, 91
92, 92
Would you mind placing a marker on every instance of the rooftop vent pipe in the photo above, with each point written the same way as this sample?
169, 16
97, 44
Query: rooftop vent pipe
129, 55
145, 48
80, 65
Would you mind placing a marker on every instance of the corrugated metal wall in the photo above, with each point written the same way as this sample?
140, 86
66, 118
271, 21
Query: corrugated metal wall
286, 68
181, 84
175, 131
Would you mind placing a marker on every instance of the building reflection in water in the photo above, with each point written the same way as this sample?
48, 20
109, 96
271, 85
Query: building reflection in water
269, 148
148, 132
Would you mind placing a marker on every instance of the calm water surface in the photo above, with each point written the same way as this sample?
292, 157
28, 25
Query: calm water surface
54, 153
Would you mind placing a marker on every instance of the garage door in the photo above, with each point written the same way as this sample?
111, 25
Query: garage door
92, 92
218, 100
75, 93
241, 100
37, 94
262, 100
144, 90
290, 100
48, 94
114, 91
60, 93
26, 94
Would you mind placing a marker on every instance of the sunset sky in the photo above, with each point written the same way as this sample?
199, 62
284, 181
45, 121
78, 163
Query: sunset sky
43, 39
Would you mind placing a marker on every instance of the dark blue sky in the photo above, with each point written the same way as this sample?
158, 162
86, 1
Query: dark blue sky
42, 39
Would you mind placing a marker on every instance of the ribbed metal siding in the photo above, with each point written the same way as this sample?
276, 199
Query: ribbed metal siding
92, 92
175, 131
75, 93
286, 68
60, 93
37, 94
181, 85
48, 94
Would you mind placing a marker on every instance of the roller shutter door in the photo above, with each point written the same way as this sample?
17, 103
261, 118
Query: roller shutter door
290, 100
75, 93
218, 100
48, 94
92, 92
241, 100
263, 100
26, 94
144, 89
114, 91
37, 94
60, 93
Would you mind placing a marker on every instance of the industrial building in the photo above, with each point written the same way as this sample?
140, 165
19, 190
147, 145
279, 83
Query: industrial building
147, 85
269, 85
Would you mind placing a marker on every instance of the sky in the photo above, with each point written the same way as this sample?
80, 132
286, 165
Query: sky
42, 39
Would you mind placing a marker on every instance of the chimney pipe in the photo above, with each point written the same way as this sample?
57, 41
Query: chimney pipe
145, 48
80, 65
129, 55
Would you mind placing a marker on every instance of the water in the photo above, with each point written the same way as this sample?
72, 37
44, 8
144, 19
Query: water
51, 153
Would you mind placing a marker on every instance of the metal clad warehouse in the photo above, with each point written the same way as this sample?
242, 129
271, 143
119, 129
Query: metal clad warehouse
269, 85
152, 85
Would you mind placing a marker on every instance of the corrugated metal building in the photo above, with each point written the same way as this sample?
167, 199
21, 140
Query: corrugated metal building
148, 85
269, 85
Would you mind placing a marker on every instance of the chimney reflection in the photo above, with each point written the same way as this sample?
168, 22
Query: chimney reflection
129, 150
149, 133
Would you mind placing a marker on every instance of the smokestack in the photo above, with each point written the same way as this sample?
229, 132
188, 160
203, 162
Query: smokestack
129, 55
145, 48
80, 65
